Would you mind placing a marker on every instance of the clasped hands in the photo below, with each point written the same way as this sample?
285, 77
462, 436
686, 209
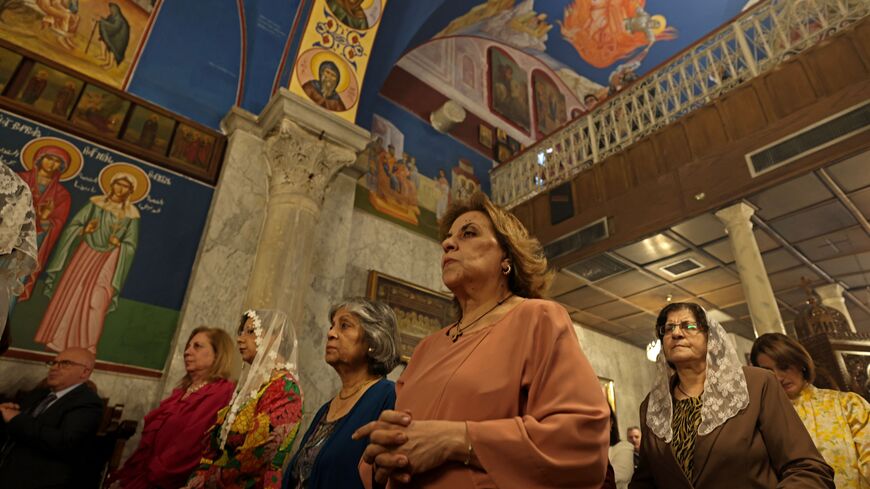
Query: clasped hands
400, 447
9, 410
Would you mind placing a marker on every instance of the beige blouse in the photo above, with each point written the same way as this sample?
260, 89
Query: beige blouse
537, 417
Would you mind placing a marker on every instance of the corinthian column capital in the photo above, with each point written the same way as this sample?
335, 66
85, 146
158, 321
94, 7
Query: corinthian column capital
302, 163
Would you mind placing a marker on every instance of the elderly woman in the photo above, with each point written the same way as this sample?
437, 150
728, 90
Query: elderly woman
838, 422
361, 347
174, 433
708, 422
504, 397
253, 435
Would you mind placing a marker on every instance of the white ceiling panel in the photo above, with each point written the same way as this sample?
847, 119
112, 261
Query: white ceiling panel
628, 283
650, 249
701, 229
708, 281
790, 196
852, 173
813, 222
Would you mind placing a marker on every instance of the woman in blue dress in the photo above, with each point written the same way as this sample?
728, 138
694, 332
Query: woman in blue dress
362, 347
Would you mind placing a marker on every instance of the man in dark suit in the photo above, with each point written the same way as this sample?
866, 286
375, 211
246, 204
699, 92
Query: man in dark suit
44, 440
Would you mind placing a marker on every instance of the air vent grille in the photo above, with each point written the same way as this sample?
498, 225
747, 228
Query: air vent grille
598, 267
578, 239
682, 267
809, 140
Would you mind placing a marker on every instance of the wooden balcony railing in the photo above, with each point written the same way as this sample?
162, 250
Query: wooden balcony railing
752, 44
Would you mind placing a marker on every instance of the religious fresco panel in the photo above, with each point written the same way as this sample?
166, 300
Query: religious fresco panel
117, 238
414, 172
50, 91
334, 53
99, 38
549, 103
8, 64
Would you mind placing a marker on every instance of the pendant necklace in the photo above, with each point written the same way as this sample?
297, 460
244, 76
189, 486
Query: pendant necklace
685, 393
459, 329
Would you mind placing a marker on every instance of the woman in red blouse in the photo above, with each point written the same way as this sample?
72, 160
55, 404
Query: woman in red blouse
174, 435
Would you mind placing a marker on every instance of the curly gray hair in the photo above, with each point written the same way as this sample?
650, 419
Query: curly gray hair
381, 331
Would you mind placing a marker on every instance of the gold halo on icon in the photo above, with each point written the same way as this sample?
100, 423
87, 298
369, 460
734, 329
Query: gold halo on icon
30, 149
367, 4
661, 24
343, 73
142, 182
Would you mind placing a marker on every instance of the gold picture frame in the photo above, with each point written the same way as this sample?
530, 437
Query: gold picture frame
420, 311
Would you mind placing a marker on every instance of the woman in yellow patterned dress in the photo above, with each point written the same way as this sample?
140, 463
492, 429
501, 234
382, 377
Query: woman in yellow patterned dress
838, 422
253, 435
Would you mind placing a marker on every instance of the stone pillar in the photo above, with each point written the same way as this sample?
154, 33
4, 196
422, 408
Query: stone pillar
756, 287
305, 148
256, 246
832, 296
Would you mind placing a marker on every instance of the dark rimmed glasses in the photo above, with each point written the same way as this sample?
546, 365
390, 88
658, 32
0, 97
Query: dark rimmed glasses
64, 364
689, 328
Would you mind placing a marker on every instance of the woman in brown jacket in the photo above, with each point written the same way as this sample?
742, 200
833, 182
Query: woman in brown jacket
710, 423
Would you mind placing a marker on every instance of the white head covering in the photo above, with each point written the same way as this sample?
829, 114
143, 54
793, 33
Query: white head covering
725, 391
276, 351
18, 253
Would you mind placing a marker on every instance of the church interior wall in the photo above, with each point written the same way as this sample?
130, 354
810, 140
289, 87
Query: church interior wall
626, 365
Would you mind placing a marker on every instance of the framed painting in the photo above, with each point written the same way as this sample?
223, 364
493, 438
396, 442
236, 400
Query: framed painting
101, 111
609, 392
50, 91
192, 146
9, 61
484, 135
149, 130
550, 106
509, 90
420, 311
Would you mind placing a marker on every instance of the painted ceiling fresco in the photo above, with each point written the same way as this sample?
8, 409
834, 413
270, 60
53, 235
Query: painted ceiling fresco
200, 58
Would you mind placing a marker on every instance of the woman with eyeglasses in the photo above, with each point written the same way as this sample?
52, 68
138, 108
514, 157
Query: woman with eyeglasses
710, 422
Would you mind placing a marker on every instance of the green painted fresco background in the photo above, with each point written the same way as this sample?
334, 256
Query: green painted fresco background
134, 334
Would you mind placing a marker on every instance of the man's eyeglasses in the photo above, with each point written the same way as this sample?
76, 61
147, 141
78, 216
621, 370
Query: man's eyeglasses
64, 364
689, 328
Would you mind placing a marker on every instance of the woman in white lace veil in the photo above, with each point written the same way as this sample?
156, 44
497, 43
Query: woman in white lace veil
17, 238
254, 434
711, 422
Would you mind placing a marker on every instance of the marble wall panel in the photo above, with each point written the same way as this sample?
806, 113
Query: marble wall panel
626, 365
222, 270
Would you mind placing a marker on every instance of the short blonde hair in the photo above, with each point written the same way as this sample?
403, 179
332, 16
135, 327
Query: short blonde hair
223, 347
529, 276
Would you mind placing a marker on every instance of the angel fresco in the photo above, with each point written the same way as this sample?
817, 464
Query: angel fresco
99, 38
95, 251
606, 31
518, 26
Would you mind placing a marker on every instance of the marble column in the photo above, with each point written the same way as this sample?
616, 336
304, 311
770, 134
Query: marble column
756, 286
303, 159
832, 296
256, 246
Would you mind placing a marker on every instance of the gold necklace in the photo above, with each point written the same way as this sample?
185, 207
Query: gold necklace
458, 329
363, 384
195, 387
